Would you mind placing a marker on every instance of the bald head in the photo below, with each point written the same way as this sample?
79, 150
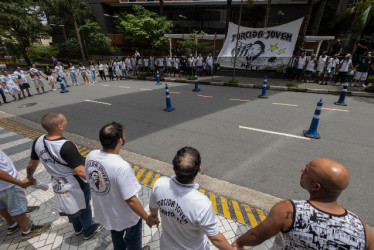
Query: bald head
50, 121
333, 176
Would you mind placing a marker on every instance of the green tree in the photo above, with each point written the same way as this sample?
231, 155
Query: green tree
43, 51
362, 13
76, 11
144, 28
20, 23
94, 40
194, 46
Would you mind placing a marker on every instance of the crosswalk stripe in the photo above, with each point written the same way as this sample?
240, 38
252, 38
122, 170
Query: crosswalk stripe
225, 208
155, 179
237, 211
21, 155
250, 215
261, 214
212, 198
14, 143
5, 135
147, 177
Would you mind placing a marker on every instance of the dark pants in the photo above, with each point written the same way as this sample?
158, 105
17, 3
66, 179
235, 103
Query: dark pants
84, 220
102, 75
132, 239
341, 76
2, 94
111, 77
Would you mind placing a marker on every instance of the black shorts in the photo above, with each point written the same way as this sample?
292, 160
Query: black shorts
25, 86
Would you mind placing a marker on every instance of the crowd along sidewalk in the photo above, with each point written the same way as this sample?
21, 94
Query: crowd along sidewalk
17, 145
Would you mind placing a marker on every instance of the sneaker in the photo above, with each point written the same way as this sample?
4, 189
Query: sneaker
29, 95
78, 232
39, 93
352, 85
363, 85
12, 230
36, 230
54, 89
45, 92
96, 229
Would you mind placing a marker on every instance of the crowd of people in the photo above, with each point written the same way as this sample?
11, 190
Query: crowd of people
325, 68
187, 217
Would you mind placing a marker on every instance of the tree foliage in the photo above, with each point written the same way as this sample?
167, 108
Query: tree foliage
20, 24
43, 51
195, 46
93, 39
144, 28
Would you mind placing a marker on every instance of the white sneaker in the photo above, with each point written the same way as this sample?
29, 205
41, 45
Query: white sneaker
352, 85
54, 89
363, 85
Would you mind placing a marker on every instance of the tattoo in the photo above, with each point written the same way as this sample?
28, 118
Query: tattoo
288, 213
30, 172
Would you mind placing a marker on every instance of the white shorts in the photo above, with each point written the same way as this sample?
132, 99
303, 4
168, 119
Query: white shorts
361, 76
38, 83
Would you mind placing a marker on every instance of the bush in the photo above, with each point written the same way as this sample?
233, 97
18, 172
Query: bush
371, 79
370, 89
191, 78
43, 51
233, 82
292, 85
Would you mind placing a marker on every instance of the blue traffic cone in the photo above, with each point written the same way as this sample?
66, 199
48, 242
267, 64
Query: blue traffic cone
263, 95
312, 132
169, 108
196, 89
158, 78
341, 102
63, 89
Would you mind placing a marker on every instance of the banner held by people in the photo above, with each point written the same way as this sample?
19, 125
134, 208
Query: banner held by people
260, 48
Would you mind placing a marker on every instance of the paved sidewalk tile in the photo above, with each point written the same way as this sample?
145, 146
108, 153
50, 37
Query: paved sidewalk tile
61, 235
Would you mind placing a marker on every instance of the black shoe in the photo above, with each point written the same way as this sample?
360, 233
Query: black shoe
78, 232
96, 229
36, 230
31, 209
12, 230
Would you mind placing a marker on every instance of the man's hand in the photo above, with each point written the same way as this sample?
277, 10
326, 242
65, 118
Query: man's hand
25, 183
152, 220
236, 246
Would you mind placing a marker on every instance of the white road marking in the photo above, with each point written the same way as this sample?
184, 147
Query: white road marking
240, 100
285, 104
174, 92
21, 155
14, 143
105, 103
5, 135
125, 87
343, 110
205, 96
147, 89
275, 133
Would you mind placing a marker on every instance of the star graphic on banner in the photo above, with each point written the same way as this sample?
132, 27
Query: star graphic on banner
282, 51
273, 47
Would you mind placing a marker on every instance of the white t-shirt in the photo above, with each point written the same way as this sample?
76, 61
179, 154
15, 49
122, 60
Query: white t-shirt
36, 73
21, 74
332, 63
72, 69
7, 166
187, 215
321, 63
199, 61
301, 62
344, 65
146, 62
112, 182
311, 65
59, 70
101, 66
160, 62
191, 61
168, 61
92, 67
176, 63
209, 60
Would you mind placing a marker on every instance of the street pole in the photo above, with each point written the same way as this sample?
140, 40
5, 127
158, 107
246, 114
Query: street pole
237, 40
214, 52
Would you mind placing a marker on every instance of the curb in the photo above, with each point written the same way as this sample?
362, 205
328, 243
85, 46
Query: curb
259, 86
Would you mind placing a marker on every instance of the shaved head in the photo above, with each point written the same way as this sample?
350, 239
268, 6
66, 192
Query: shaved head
331, 176
50, 121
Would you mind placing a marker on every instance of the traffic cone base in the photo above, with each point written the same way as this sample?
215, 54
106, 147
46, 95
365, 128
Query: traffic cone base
196, 90
262, 96
169, 110
64, 91
314, 136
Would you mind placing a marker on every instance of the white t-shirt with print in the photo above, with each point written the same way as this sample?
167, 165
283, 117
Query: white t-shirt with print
112, 182
168, 61
199, 61
21, 74
344, 65
7, 166
60, 70
36, 73
187, 215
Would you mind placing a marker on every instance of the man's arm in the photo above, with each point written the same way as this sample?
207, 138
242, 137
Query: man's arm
25, 183
31, 167
280, 218
135, 205
80, 171
369, 238
220, 242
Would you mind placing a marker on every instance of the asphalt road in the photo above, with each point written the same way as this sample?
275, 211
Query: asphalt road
210, 121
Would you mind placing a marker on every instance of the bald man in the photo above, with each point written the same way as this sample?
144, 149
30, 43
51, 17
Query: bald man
317, 223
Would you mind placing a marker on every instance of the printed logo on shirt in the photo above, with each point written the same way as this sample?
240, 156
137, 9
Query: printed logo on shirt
171, 208
98, 178
59, 185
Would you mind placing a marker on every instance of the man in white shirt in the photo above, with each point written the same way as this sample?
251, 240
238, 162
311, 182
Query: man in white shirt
344, 65
168, 65
209, 63
187, 216
59, 69
13, 202
160, 65
191, 62
176, 65
332, 63
22, 81
35, 75
113, 182
199, 64
7, 81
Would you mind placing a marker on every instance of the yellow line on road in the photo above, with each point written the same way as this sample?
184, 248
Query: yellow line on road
240, 100
135, 168
155, 179
342, 110
285, 104
147, 89
174, 92
125, 87
238, 213
212, 198
140, 173
86, 152
104, 85
261, 214
147, 177
225, 208
250, 215
206, 96
201, 190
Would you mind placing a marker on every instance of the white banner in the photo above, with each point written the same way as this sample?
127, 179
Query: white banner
260, 48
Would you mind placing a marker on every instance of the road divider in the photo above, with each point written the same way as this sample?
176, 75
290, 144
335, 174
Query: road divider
285, 104
105, 103
274, 133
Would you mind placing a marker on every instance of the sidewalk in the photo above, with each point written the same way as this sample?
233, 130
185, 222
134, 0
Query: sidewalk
61, 235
